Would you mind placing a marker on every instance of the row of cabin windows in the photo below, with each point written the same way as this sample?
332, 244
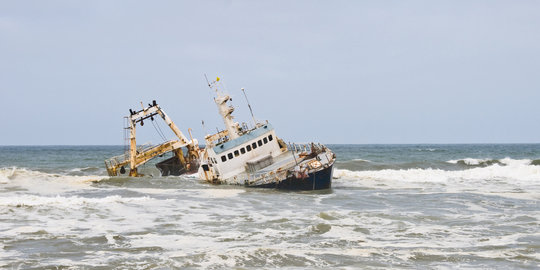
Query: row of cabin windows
248, 148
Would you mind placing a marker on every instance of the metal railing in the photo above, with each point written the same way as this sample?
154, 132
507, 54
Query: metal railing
299, 150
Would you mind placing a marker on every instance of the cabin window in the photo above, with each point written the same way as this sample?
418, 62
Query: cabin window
223, 158
254, 145
248, 148
270, 138
259, 142
236, 153
242, 150
205, 167
265, 140
230, 156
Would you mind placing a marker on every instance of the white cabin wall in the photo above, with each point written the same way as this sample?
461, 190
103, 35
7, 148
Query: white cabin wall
237, 165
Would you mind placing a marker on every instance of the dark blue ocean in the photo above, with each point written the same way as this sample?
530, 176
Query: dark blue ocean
470, 206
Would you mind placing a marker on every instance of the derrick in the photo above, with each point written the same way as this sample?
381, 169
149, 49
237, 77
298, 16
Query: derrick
137, 156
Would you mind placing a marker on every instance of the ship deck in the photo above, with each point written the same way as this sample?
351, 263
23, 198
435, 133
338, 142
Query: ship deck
283, 161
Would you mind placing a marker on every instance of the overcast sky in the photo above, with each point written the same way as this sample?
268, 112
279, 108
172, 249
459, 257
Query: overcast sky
328, 71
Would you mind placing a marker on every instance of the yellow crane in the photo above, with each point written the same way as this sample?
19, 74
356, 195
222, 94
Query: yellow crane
137, 156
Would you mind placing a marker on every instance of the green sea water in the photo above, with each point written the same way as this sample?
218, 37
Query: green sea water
390, 206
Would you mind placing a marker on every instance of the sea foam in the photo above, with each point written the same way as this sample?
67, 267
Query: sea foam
489, 161
33, 200
511, 176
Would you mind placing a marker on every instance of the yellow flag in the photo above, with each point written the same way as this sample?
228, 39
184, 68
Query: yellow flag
217, 79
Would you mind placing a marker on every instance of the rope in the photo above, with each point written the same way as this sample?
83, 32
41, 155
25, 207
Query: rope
158, 130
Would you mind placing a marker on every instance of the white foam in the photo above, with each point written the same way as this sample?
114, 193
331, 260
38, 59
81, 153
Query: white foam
6, 174
33, 200
514, 170
469, 161
219, 193
512, 179
363, 160
478, 161
41, 182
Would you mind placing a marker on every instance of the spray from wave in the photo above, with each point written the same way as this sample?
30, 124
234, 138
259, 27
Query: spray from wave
508, 175
43, 183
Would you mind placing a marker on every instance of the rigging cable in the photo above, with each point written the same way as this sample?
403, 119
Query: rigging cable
158, 130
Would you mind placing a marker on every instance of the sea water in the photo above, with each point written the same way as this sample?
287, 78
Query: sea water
390, 206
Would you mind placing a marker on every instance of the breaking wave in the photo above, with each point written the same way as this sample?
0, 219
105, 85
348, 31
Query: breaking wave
12, 174
524, 172
489, 162
43, 182
33, 200
507, 176
6, 174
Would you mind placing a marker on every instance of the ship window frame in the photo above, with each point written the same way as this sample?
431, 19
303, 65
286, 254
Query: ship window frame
223, 158
265, 140
236, 153
254, 145
230, 156
242, 150
270, 137
248, 147
260, 143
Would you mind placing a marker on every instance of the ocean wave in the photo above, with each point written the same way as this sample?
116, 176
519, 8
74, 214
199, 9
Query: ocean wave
361, 160
488, 162
429, 150
511, 170
11, 174
33, 200
45, 183
6, 174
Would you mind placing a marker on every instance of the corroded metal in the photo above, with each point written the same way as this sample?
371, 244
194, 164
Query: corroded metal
137, 156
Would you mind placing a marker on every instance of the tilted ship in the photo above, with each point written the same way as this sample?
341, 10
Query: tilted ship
238, 155
256, 157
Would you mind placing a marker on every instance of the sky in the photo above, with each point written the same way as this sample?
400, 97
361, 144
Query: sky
357, 72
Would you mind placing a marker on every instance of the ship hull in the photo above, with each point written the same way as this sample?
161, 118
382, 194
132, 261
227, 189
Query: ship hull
321, 179
172, 166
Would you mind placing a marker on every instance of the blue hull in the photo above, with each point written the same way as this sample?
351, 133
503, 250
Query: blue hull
321, 179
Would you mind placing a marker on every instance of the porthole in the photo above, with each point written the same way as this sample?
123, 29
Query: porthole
270, 138
230, 156
236, 153
265, 140
242, 150
248, 148
259, 142
254, 145
223, 158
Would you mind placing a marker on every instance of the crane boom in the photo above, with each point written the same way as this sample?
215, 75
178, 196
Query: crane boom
139, 156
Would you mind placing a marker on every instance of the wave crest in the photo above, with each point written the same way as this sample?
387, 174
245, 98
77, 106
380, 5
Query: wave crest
10, 174
33, 200
510, 170
478, 162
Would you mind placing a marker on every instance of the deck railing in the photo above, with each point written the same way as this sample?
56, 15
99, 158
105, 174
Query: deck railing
298, 150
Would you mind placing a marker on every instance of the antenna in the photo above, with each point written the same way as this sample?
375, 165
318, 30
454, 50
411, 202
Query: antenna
249, 106
208, 82
204, 129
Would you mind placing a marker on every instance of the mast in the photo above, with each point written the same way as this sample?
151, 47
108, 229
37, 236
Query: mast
249, 106
225, 110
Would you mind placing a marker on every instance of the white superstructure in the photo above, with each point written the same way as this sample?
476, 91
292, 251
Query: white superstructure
237, 150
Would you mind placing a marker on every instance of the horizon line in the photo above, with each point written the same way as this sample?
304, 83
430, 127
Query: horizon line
464, 143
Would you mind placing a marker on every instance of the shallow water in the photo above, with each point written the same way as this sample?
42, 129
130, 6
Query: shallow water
391, 206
